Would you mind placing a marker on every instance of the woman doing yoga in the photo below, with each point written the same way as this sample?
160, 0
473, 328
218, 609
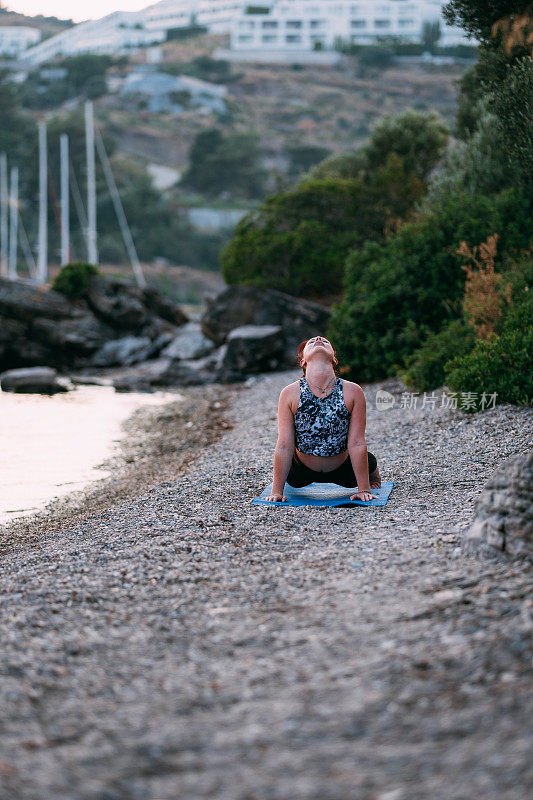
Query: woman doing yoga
321, 429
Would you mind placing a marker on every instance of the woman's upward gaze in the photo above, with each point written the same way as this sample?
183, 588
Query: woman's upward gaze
321, 428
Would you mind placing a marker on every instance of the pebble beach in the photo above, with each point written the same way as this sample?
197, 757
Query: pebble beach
164, 639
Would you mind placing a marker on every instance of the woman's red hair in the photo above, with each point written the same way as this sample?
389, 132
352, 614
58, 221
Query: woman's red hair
300, 352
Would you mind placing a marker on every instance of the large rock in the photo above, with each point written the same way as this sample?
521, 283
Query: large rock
189, 342
123, 352
33, 380
116, 302
163, 307
24, 301
247, 305
252, 349
128, 307
41, 326
504, 511
81, 335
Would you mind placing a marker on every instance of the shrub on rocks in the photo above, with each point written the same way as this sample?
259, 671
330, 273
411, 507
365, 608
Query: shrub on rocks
73, 279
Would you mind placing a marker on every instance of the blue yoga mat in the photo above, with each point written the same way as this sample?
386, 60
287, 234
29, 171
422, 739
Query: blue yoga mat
325, 494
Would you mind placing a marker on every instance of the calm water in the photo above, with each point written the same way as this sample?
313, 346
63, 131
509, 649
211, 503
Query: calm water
51, 446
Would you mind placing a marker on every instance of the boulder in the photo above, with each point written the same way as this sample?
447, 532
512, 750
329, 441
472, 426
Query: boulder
252, 349
24, 301
504, 513
163, 307
139, 378
191, 372
80, 335
189, 343
123, 352
247, 305
41, 326
117, 302
33, 380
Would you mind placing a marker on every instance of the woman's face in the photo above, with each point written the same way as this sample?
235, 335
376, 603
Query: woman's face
318, 344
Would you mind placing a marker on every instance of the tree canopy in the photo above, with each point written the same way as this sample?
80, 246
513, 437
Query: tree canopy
477, 17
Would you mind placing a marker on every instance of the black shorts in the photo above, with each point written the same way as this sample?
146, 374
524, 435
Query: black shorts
300, 475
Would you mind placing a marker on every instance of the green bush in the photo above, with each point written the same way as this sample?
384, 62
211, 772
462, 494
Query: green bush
376, 55
398, 292
298, 240
503, 364
219, 163
73, 279
419, 139
425, 368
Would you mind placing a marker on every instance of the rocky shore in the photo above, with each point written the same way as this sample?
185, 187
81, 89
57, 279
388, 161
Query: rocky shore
167, 640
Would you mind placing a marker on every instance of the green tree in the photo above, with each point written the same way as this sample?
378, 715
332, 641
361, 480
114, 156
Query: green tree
372, 190
477, 17
219, 163
18, 131
397, 293
430, 34
419, 140
304, 156
298, 240
502, 364
512, 103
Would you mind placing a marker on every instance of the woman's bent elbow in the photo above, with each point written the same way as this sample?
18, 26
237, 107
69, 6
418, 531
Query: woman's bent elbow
284, 448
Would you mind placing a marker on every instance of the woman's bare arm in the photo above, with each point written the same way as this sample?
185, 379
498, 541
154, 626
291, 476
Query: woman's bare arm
357, 448
285, 445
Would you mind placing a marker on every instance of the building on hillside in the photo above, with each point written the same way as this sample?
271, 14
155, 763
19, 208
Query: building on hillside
215, 15
114, 34
282, 25
122, 30
158, 92
318, 24
15, 39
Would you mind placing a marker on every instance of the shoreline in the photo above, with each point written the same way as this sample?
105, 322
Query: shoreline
184, 643
158, 443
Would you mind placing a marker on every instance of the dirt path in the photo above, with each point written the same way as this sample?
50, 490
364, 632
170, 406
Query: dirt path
187, 645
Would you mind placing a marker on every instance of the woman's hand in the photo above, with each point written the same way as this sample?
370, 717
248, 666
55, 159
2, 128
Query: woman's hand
276, 498
364, 496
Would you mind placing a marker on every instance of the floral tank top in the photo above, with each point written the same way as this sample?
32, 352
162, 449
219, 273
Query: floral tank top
321, 423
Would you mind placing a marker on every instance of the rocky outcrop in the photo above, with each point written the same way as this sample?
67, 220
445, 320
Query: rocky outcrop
189, 342
115, 324
504, 513
252, 349
247, 305
33, 380
41, 326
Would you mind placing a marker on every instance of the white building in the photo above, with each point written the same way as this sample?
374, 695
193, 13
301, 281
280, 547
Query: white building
270, 25
314, 24
15, 39
123, 30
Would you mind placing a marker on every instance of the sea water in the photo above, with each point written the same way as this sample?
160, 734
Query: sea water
53, 445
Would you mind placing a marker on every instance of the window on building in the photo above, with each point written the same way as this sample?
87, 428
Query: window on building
243, 39
293, 38
316, 24
405, 23
270, 24
382, 23
268, 38
358, 23
294, 24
